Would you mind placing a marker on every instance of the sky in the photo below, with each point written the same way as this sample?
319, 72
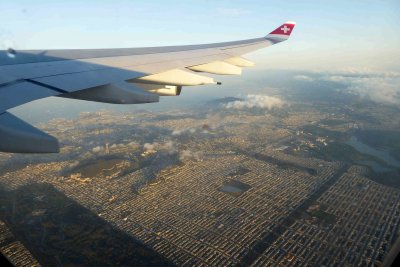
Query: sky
348, 41
329, 34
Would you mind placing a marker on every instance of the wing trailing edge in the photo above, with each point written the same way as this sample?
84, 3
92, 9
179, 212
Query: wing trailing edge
240, 62
176, 77
217, 67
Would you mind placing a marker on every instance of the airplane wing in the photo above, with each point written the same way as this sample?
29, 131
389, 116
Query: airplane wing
120, 76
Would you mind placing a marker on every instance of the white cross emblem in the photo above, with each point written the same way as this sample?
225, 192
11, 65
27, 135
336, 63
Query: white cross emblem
285, 29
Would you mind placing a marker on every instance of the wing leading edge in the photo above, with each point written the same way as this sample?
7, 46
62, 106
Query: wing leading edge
121, 76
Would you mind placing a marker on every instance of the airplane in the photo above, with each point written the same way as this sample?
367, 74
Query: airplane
118, 76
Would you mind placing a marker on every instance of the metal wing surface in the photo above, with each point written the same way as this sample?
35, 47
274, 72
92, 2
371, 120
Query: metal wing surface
120, 76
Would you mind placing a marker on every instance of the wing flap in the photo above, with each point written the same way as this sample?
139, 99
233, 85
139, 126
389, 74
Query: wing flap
240, 62
176, 77
161, 90
218, 67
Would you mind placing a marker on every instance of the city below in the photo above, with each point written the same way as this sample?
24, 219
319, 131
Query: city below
287, 179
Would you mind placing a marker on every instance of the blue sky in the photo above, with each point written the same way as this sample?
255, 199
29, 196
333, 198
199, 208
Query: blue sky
329, 34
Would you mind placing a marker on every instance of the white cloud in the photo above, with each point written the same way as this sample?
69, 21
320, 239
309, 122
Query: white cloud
381, 90
133, 144
177, 132
171, 148
151, 148
189, 155
256, 101
168, 146
303, 78
335, 78
380, 87
212, 122
97, 149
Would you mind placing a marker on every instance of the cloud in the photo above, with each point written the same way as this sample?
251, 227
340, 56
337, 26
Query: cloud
133, 144
380, 87
303, 78
97, 149
189, 155
336, 78
377, 89
177, 132
150, 148
168, 146
171, 148
357, 72
212, 122
256, 101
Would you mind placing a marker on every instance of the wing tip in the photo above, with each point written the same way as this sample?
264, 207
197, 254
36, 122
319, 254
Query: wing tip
281, 33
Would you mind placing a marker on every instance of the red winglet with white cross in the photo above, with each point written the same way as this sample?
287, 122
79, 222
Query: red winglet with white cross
284, 30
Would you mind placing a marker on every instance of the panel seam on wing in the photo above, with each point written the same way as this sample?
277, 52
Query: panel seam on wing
46, 86
233, 47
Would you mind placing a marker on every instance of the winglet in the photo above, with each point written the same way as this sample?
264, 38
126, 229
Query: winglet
281, 33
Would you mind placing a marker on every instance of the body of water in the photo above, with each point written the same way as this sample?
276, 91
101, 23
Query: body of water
234, 187
101, 167
380, 154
